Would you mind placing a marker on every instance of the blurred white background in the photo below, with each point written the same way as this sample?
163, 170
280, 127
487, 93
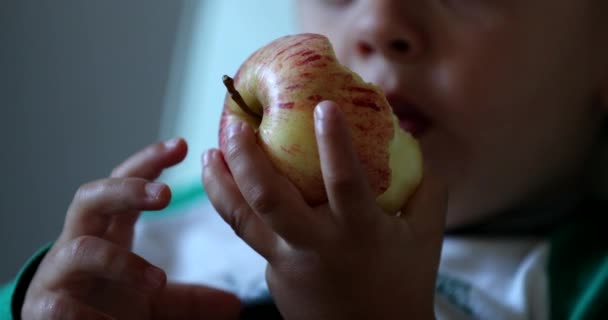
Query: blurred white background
85, 83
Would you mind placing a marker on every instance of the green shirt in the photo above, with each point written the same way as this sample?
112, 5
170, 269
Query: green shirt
12, 294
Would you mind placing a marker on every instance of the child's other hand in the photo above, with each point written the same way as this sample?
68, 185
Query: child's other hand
91, 273
344, 260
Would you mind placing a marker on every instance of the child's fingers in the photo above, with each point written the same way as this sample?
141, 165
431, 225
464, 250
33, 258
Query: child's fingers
97, 258
63, 306
232, 207
146, 164
425, 211
347, 187
266, 191
182, 301
96, 203
151, 161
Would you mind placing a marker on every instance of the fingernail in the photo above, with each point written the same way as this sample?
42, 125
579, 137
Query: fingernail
154, 277
170, 144
235, 129
322, 112
153, 189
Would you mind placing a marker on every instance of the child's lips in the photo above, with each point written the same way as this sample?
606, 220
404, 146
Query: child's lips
414, 125
411, 119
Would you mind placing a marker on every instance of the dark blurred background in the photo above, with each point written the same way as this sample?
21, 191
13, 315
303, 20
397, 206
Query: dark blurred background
82, 85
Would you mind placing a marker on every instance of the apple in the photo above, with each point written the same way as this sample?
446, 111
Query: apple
276, 90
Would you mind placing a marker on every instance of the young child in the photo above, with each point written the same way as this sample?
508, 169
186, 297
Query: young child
508, 100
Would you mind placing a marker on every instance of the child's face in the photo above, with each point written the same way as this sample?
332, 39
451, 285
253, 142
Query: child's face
502, 94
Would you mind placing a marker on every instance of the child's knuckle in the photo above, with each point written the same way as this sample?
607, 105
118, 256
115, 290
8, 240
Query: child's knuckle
237, 219
233, 151
79, 248
111, 260
55, 306
128, 187
262, 199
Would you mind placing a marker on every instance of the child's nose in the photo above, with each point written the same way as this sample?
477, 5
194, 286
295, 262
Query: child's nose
386, 28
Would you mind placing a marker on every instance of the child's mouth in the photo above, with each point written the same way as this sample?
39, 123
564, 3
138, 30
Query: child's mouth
411, 119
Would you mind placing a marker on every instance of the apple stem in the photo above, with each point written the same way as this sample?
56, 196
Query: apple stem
236, 97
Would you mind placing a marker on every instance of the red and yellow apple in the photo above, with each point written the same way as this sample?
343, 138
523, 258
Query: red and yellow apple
276, 90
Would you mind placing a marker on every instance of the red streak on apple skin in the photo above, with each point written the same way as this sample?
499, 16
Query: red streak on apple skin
361, 127
315, 98
297, 44
361, 90
292, 150
301, 53
293, 87
286, 105
306, 75
309, 60
366, 103
345, 76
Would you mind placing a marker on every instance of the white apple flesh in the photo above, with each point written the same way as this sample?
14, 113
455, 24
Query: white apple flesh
276, 90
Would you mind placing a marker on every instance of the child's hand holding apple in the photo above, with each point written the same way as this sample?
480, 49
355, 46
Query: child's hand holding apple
317, 211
